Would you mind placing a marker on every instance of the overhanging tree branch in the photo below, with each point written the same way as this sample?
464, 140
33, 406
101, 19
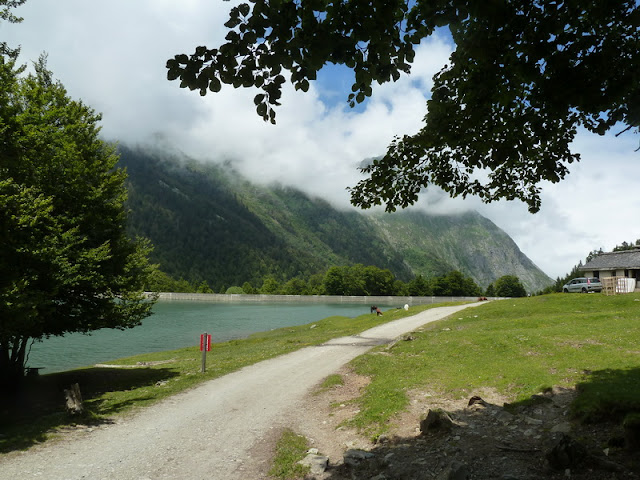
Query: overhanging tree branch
523, 77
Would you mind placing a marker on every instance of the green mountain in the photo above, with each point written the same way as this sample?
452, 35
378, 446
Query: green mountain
208, 223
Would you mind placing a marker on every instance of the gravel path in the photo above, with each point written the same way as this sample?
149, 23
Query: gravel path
207, 432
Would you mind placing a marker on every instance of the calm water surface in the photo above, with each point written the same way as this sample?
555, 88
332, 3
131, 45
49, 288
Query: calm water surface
175, 325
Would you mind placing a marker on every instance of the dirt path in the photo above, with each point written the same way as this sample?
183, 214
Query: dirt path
210, 431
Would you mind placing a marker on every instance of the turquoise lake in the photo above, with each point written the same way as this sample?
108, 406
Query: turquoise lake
177, 324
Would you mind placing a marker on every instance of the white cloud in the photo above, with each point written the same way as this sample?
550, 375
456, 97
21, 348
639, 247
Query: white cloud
112, 54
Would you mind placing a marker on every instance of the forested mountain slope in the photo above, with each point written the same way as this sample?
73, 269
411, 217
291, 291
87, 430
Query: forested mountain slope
467, 242
208, 223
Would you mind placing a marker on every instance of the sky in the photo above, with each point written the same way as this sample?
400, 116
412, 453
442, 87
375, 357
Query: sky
111, 54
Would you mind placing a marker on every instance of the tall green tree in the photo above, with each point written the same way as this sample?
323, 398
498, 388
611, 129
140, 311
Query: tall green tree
334, 281
295, 286
359, 280
270, 286
248, 288
66, 262
378, 281
419, 287
509, 286
523, 78
456, 284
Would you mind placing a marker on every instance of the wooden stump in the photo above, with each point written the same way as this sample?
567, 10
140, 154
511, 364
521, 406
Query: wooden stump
74, 400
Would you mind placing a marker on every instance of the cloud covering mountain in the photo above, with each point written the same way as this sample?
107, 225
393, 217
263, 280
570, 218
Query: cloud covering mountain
112, 55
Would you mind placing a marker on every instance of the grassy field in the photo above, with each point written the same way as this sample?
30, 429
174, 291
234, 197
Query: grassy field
518, 347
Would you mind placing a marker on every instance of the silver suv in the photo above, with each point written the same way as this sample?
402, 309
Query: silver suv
583, 284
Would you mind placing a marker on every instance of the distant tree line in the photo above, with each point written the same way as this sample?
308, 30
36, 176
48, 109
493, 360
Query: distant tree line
354, 280
627, 246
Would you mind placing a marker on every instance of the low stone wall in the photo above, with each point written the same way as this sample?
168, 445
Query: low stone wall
328, 299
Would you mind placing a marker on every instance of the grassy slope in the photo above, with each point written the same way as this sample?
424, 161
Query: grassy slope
518, 347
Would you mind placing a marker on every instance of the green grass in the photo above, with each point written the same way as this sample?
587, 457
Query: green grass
330, 382
520, 348
290, 449
38, 409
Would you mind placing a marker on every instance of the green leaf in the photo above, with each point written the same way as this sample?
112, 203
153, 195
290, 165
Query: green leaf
262, 110
244, 9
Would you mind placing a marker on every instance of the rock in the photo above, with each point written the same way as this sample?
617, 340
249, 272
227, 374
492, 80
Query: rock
381, 476
567, 453
317, 463
475, 400
354, 457
532, 421
455, 471
504, 417
436, 420
564, 427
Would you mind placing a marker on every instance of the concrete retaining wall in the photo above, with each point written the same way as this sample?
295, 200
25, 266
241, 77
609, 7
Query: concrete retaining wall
329, 299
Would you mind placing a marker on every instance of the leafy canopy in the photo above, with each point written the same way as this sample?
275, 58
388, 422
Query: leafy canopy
523, 78
66, 262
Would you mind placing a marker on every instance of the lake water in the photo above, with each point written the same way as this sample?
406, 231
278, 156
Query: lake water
175, 325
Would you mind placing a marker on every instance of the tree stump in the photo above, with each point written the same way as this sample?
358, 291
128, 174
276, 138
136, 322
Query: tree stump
74, 400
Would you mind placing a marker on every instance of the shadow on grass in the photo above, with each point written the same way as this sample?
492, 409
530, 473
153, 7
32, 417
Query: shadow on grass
517, 440
38, 405
607, 395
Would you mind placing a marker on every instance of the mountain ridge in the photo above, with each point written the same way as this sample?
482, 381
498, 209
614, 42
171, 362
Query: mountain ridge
209, 223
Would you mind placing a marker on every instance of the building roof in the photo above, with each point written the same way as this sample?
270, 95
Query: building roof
627, 259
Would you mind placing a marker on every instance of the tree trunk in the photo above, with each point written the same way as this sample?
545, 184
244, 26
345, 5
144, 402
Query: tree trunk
12, 358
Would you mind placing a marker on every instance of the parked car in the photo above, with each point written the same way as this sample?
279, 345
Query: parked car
583, 285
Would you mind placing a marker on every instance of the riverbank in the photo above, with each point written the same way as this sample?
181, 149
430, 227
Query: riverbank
179, 323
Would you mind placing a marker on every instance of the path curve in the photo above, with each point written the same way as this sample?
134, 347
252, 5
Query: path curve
206, 432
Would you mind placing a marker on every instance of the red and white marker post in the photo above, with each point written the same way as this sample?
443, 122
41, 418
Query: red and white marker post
205, 346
